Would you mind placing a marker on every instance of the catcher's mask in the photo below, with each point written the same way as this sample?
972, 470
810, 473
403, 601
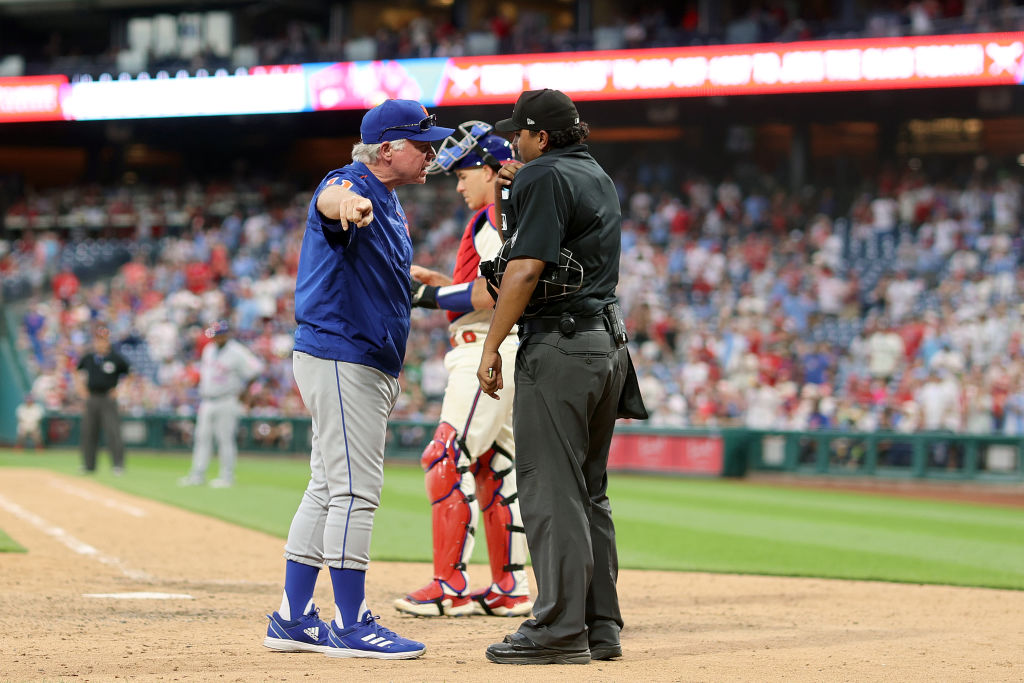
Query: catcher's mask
472, 145
556, 281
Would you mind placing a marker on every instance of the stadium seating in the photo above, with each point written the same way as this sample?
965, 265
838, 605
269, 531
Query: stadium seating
730, 324
239, 39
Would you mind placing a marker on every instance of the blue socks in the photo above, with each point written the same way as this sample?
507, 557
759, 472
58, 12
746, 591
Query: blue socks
299, 581
349, 595
349, 592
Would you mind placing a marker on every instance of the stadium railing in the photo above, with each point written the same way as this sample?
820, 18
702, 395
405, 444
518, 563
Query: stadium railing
931, 455
729, 452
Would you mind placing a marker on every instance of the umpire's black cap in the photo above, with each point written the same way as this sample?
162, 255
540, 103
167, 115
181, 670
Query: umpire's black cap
541, 110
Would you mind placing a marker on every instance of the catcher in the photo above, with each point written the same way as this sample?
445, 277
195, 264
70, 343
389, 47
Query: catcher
469, 463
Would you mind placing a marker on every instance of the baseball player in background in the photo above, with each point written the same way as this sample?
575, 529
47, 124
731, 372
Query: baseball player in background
352, 306
226, 369
469, 463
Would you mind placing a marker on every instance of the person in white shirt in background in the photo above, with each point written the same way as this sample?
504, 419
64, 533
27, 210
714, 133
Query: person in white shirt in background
29, 416
886, 350
939, 399
832, 292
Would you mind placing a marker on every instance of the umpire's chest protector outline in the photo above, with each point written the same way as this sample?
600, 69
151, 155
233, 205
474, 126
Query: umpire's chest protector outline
352, 299
564, 200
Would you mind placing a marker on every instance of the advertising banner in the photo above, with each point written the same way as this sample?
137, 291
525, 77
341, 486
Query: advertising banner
670, 454
31, 98
820, 66
720, 70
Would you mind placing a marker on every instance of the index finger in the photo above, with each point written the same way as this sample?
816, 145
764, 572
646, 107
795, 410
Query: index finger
359, 215
365, 214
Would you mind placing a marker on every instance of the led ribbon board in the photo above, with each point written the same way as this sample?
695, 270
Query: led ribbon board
820, 66
771, 68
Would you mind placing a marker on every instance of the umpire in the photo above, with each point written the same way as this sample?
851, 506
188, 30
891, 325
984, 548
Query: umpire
102, 369
569, 375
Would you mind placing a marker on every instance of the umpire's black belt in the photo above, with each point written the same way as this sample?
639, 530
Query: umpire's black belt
578, 323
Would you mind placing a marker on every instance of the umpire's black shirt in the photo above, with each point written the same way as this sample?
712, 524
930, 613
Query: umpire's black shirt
103, 370
563, 198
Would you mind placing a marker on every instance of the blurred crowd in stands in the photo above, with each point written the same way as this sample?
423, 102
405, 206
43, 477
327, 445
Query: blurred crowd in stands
520, 30
748, 304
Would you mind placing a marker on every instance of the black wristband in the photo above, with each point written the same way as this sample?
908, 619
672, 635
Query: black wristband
491, 290
423, 295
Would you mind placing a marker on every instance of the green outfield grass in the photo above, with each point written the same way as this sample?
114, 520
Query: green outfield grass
662, 523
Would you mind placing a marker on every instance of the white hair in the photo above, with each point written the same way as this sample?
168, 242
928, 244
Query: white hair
368, 154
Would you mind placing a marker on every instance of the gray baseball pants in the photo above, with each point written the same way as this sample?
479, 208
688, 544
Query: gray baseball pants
349, 405
216, 419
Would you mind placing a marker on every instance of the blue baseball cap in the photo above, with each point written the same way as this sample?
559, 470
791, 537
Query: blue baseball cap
401, 120
218, 328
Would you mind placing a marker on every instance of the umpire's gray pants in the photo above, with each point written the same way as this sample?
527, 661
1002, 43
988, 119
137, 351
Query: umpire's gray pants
216, 420
350, 405
101, 413
567, 392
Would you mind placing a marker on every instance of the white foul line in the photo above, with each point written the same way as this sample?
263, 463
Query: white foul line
92, 497
141, 595
70, 541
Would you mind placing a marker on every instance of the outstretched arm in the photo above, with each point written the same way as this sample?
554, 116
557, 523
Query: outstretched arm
341, 204
429, 277
461, 298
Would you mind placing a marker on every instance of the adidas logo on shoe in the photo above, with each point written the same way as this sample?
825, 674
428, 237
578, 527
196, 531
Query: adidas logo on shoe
370, 639
305, 634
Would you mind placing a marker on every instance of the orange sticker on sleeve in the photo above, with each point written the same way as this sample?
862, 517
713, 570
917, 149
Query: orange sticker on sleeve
345, 184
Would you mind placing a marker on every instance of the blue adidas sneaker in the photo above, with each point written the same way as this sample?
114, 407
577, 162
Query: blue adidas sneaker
305, 634
370, 639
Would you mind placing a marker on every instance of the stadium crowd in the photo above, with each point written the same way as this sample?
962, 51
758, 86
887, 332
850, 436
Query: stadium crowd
902, 309
509, 30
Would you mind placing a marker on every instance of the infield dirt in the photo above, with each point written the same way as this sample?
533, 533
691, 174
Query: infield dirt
679, 626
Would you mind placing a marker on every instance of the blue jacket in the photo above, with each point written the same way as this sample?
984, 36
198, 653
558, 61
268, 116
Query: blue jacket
352, 298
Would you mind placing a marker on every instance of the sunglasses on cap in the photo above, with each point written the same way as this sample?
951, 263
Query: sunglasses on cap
422, 127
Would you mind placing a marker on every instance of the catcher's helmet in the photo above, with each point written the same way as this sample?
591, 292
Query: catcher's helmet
472, 145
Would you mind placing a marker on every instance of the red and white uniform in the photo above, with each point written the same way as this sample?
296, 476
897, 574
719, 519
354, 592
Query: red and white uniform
471, 479
480, 423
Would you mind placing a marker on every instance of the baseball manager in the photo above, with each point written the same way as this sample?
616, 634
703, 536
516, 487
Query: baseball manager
352, 306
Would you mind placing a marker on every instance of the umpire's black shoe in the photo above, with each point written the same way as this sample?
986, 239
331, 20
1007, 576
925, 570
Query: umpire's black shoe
518, 649
605, 651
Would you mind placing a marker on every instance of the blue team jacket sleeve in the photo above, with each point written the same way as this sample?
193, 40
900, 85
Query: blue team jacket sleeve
352, 296
331, 228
